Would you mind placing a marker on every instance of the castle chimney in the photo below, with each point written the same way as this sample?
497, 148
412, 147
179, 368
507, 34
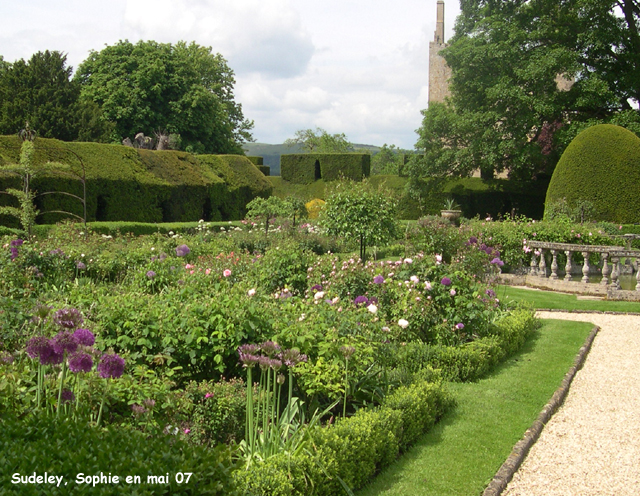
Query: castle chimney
439, 35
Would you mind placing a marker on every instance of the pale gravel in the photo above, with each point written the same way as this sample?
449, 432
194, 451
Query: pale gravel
591, 446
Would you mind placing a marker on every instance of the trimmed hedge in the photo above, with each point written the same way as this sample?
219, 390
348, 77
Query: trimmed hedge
127, 184
67, 448
352, 450
602, 166
476, 196
309, 167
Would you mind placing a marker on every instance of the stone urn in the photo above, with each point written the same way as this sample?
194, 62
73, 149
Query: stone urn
452, 215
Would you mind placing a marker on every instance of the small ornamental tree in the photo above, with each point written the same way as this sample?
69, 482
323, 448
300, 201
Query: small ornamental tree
267, 209
356, 210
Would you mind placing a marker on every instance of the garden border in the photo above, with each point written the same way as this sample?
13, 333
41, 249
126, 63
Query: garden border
504, 475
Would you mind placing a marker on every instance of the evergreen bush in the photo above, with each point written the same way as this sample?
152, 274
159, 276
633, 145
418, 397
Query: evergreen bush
601, 166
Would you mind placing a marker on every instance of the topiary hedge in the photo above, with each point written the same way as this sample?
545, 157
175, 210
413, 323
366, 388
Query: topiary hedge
127, 184
600, 166
309, 167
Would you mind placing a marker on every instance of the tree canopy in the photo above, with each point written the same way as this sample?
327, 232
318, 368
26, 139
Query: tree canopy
526, 76
320, 141
182, 89
41, 92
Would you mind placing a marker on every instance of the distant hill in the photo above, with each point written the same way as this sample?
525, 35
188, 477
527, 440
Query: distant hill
271, 153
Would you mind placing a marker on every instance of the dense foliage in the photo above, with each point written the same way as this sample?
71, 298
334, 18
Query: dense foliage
41, 91
183, 89
525, 77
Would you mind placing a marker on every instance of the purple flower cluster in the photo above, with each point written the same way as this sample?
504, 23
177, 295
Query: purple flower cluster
445, 281
52, 351
378, 279
80, 265
41, 348
182, 250
361, 300
64, 342
111, 366
68, 396
151, 274
80, 362
274, 357
69, 318
84, 337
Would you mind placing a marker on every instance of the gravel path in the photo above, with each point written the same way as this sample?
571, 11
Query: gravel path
591, 446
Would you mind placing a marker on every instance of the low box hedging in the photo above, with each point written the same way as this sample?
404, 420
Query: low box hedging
354, 449
68, 448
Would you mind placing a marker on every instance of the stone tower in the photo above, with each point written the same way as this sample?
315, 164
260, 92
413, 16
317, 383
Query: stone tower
439, 71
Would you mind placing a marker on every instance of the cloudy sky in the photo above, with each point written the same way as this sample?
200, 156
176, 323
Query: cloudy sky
348, 66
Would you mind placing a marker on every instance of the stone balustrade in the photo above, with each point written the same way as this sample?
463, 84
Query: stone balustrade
613, 261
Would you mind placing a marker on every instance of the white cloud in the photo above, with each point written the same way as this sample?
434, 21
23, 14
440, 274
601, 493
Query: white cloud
263, 36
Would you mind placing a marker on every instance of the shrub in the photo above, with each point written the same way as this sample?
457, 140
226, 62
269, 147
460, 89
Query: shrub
71, 448
602, 166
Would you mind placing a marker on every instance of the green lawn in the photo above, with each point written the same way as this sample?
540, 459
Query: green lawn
553, 300
465, 449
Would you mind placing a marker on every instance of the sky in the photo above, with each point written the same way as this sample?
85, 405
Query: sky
347, 66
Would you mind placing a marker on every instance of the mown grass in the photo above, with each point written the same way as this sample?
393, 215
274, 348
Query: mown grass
465, 449
560, 301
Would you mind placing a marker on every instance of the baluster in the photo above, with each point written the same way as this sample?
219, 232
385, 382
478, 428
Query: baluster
534, 265
542, 266
554, 264
606, 270
615, 284
585, 267
569, 267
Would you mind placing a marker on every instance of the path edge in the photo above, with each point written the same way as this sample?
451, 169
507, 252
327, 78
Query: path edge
504, 475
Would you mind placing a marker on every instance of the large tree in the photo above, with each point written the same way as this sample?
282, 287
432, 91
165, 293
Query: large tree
320, 141
41, 92
183, 89
511, 108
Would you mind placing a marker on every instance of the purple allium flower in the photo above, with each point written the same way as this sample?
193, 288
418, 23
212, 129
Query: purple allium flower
149, 403
17, 242
347, 351
445, 281
497, 261
292, 357
264, 362
374, 300
488, 250
81, 266
473, 240
80, 362
6, 358
111, 366
182, 250
459, 326
317, 287
39, 346
69, 318
491, 293
84, 337
138, 410
270, 348
378, 279
64, 341
275, 364
14, 253
361, 300
52, 357
68, 396
151, 274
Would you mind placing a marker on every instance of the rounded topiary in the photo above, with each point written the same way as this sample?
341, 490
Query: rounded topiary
601, 167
